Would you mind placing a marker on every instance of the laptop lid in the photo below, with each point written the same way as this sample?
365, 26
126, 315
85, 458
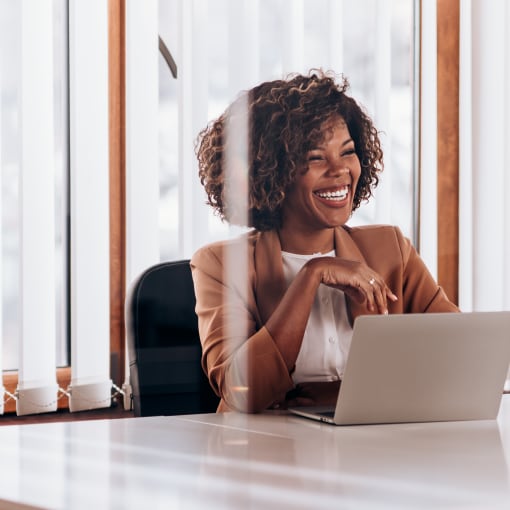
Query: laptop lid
425, 367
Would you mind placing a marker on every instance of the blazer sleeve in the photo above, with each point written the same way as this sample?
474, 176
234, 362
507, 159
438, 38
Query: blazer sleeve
243, 364
420, 291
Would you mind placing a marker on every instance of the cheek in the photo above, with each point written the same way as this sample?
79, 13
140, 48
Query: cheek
303, 185
356, 173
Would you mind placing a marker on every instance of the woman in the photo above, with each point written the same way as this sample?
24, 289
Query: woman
279, 333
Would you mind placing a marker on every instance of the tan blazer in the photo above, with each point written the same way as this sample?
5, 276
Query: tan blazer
239, 355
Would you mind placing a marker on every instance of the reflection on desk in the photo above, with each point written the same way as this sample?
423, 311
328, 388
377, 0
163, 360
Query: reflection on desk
254, 461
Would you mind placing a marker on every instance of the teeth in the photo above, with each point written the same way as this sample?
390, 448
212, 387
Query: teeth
334, 195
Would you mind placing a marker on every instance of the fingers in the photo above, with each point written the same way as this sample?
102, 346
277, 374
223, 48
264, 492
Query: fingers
313, 393
300, 402
358, 281
377, 294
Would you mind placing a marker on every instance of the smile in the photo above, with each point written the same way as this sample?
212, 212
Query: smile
335, 195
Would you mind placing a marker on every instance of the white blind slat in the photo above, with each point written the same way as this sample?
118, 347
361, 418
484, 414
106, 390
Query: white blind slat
488, 122
382, 103
428, 138
2, 389
142, 122
90, 303
293, 37
243, 46
484, 214
194, 198
142, 148
37, 388
465, 161
186, 127
506, 184
336, 39
484, 111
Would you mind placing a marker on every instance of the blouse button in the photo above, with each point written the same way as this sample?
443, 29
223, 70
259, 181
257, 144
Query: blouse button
331, 340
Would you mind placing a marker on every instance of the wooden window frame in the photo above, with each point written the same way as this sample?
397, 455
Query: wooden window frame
117, 107
448, 37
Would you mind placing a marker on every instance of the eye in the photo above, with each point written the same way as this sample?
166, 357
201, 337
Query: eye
349, 152
315, 156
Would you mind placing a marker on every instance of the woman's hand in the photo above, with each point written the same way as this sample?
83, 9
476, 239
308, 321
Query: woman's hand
313, 393
356, 279
288, 321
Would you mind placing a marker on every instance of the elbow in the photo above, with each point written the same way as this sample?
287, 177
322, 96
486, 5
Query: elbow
242, 399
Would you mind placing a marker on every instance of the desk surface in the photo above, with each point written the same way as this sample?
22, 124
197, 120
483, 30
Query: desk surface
255, 461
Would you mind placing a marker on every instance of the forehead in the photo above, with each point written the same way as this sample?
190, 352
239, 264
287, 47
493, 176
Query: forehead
334, 126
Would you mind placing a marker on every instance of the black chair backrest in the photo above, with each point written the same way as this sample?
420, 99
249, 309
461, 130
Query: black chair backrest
163, 344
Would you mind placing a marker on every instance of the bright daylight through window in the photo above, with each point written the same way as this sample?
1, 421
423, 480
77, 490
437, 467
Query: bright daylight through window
12, 34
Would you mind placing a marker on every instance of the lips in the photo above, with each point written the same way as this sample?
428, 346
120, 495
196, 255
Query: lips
337, 194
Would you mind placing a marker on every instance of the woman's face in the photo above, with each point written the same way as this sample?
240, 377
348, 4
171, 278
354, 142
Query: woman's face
322, 194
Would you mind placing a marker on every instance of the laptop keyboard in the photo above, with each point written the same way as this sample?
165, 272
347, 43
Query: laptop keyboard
328, 414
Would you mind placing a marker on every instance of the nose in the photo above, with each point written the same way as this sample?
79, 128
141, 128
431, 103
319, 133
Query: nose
338, 168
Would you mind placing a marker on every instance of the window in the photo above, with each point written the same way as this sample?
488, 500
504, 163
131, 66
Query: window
233, 45
12, 32
55, 216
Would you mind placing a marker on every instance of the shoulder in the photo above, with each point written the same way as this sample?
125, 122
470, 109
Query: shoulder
214, 254
374, 231
380, 238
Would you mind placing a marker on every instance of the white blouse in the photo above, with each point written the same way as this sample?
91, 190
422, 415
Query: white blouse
328, 333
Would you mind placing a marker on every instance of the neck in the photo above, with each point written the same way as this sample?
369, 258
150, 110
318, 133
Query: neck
307, 243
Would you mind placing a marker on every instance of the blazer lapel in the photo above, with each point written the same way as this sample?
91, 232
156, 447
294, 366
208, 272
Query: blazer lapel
346, 248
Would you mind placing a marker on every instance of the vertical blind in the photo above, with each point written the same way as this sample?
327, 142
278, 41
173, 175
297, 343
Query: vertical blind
90, 386
89, 199
484, 155
142, 158
428, 243
142, 248
37, 386
2, 389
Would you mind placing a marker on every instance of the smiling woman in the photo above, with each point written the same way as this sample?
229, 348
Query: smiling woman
279, 331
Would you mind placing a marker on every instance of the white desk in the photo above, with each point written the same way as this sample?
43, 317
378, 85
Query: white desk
239, 461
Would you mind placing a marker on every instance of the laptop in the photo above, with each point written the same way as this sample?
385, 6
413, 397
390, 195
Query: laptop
421, 368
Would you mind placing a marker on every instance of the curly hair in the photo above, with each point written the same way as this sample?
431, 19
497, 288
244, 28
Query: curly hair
281, 120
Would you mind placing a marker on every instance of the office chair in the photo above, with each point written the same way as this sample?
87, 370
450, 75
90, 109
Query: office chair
163, 344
